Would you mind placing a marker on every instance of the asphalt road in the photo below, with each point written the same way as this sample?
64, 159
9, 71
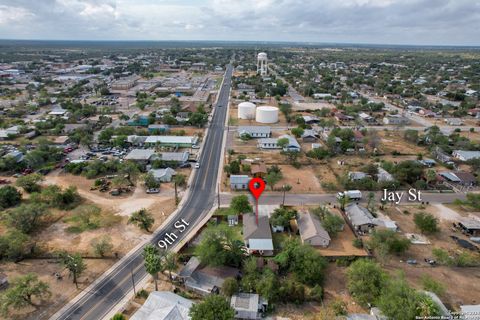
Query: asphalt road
316, 199
107, 293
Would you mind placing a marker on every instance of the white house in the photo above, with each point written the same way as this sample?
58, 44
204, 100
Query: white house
163, 175
255, 131
463, 155
164, 305
239, 182
395, 119
271, 143
248, 305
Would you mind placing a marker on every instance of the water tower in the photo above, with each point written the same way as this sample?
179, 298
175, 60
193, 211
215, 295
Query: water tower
262, 64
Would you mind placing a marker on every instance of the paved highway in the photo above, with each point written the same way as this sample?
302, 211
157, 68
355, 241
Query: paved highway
109, 292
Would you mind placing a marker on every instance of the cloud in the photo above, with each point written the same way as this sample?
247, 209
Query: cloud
369, 21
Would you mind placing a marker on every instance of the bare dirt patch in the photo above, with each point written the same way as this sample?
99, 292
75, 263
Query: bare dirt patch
461, 283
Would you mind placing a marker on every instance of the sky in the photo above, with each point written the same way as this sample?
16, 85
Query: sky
416, 22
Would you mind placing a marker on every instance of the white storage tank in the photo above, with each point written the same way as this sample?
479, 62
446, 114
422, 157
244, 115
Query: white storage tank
246, 110
267, 114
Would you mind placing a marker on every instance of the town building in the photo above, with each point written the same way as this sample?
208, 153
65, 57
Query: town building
140, 155
172, 141
255, 131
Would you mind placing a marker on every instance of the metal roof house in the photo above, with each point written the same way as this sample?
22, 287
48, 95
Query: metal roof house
239, 182
312, 231
163, 175
255, 131
360, 218
142, 155
463, 155
164, 305
271, 143
205, 280
161, 128
459, 177
180, 157
172, 141
258, 238
384, 176
309, 136
248, 305
395, 119
357, 175
470, 226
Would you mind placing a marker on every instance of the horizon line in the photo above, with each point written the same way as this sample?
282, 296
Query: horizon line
307, 43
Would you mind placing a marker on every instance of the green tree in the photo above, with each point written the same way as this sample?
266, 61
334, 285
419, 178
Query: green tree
153, 262
333, 223
302, 260
220, 246
282, 142
102, 245
282, 216
297, 132
30, 183
118, 316
26, 217
180, 180
285, 188
240, 204
386, 242
429, 284
408, 172
150, 181
399, 301
292, 291
213, 307
143, 219
426, 222
170, 263
343, 201
272, 179
9, 197
21, 293
365, 281
267, 285
230, 287
14, 245
431, 176
234, 167
74, 263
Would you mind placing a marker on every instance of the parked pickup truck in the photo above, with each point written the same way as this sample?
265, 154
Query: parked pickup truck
351, 194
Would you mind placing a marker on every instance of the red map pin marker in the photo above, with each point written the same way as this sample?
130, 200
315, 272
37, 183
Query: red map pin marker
256, 186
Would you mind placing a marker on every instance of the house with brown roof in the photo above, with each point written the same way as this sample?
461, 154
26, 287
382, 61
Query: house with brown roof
258, 170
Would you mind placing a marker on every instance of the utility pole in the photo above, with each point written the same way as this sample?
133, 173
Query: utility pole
133, 282
176, 196
218, 196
